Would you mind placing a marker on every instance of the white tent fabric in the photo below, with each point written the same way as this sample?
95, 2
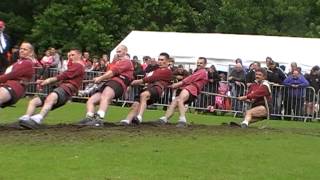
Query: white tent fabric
222, 49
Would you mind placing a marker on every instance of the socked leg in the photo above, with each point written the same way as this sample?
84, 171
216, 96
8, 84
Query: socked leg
106, 97
144, 97
92, 101
49, 102
33, 104
183, 97
133, 111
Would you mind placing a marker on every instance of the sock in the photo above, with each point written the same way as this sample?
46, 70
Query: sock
245, 121
182, 119
163, 118
101, 113
126, 121
139, 118
90, 114
37, 118
24, 118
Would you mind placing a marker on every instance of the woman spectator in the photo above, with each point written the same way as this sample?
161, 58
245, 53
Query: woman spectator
47, 59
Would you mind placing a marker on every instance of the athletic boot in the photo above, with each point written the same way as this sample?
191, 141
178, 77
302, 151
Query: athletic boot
135, 120
182, 124
86, 120
29, 124
97, 121
159, 122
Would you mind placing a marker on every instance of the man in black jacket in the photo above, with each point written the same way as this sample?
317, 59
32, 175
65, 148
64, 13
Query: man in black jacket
4, 48
276, 76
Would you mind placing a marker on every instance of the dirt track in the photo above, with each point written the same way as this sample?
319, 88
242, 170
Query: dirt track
61, 131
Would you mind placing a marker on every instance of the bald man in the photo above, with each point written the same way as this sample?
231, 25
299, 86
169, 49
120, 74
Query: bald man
13, 81
115, 82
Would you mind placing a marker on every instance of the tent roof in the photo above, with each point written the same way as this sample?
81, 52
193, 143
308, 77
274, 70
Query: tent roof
222, 49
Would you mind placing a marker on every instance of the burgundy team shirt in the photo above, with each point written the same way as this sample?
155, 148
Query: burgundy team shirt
72, 78
195, 82
258, 91
17, 74
122, 69
159, 78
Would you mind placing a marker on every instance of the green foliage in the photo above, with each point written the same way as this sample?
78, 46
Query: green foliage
98, 25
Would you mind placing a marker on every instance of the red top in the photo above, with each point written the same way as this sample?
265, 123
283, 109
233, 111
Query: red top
72, 78
257, 91
195, 82
17, 74
122, 69
159, 78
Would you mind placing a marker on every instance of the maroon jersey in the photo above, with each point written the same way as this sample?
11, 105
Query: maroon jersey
122, 72
159, 78
72, 78
258, 91
195, 82
17, 75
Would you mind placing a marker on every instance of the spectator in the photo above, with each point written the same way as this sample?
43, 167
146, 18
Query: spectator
180, 73
294, 96
257, 93
311, 95
171, 64
13, 81
268, 61
276, 76
236, 79
70, 82
95, 64
238, 60
190, 89
14, 54
4, 47
105, 57
146, 62
151, 66
293, 66
118, 79
237, 75
87, 60
156, 83
47, 60
56, 58
212, 86
138, 70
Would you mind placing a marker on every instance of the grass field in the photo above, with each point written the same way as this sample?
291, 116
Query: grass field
205, 150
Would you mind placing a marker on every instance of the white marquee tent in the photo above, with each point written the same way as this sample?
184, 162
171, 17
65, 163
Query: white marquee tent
222, 49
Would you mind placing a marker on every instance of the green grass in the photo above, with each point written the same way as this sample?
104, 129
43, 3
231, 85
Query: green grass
285, 150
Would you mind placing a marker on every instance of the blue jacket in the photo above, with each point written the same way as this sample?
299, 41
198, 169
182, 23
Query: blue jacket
301, 83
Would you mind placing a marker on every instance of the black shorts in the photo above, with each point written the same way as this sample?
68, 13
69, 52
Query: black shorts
116, 86
63, 98
190, 99
14, 99
154, 95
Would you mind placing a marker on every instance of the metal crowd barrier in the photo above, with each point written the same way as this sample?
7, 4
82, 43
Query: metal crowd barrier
287, 102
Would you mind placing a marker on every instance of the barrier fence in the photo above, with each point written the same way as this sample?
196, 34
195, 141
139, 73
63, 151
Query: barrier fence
287, 102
